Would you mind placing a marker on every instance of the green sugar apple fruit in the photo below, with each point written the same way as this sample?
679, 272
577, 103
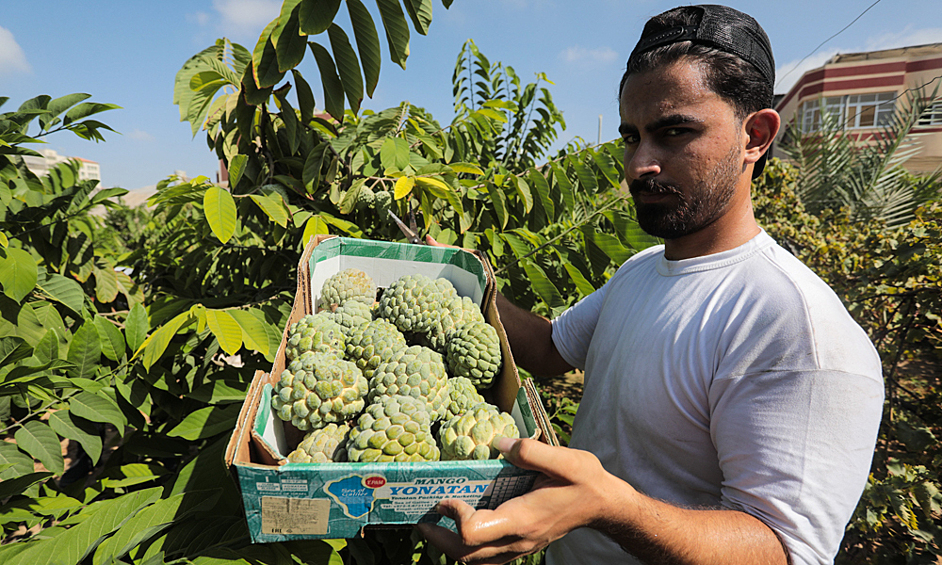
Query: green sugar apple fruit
317, 333
374, 343
414, 302
348, 284
317, 389
416, 371
470, 435
394, 428
325, 445
462, 396
351, 315
473, 351
455, 311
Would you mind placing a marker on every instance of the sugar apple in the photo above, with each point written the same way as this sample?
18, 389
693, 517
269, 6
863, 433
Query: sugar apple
462, 396
455, 312
374, 343
416, 371
473, 351
351, 315
325, 445
394, 428
365, 198
348, 284
414, 302
318, 333
318, 389
470, 435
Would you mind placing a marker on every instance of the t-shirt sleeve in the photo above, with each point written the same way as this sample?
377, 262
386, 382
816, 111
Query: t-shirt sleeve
573, 329
795, 448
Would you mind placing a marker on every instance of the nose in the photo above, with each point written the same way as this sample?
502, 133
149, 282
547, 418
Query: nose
641, 161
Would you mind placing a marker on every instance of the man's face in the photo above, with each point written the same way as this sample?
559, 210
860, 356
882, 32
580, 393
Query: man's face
683, 150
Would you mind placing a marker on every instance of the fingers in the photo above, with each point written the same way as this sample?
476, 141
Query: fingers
429, 240
555, 462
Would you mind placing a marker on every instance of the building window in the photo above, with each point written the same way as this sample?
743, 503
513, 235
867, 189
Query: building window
932, 116
854, 111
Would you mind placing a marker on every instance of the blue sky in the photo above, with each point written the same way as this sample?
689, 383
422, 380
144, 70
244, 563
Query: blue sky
127, 53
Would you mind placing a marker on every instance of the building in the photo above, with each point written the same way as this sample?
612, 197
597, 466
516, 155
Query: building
88, 170
863, 89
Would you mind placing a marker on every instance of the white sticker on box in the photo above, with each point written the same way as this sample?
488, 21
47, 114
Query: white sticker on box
295, 516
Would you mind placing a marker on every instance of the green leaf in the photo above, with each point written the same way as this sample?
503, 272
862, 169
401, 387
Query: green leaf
18, 273
305, 96
220, 392
98, 408
273, 206
236, 168
207, 422
75, 543
289, 43
606, 165
86, 109
523, 191
254, 333
18, 485
364, 30
421, 13
226, 330
220, 210
314, 226
265, 60
13, 349
136, 326
106, 284
112, 342
317, 15
403, 187
48, 347
347, 66
63, 290
85, 352
78, 429
333, 87
132, 474
38, 439
544, 287
397, 30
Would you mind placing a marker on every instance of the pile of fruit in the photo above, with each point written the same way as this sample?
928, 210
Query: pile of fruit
393, 380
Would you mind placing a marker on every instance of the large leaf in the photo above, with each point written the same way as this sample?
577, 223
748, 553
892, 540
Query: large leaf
78, 429
38, 439
112, 342
13, 349
347, 66
236, 168
18, 273
421, 13
226, 330
98, 408
75, 543
397, 30
317, 15
220, 210
85, 351
136, 326
17, 485
265, 60
63, 290
273, 206
106, 283
254, 333
333, 86
364, 30
206, 422
289, 42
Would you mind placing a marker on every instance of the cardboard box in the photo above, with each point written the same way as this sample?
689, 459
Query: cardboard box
285, 501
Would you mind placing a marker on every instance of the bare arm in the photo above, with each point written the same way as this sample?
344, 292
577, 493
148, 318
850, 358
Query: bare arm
531, 340
575, 491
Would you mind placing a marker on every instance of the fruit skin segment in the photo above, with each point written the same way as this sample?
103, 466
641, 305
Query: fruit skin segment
473, 351
462, 396
471, 435
316, 333
374, 343
418, 372
395, 428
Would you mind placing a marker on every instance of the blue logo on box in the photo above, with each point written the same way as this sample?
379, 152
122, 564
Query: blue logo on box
354, 497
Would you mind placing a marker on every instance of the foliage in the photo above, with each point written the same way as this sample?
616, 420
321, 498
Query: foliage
890, 281
864, 173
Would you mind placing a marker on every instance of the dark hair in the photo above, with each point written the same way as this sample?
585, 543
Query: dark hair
734, 79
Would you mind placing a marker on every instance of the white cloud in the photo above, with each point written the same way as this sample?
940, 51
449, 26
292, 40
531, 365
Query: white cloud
199, 18
140, 135
788, 74
242, 16
12, 58
579, 54
906, 38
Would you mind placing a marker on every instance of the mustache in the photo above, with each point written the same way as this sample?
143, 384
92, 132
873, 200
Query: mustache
652, 186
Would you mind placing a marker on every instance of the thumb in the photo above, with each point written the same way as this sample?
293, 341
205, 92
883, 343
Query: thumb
457, 510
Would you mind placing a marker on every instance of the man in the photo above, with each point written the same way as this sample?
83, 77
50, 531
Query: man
731, 404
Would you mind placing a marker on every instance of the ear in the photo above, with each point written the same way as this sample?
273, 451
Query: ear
759, 130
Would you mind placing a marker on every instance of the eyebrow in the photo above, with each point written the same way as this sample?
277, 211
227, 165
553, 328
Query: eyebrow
666, 121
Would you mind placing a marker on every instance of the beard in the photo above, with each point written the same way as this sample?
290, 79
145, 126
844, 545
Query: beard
693, 209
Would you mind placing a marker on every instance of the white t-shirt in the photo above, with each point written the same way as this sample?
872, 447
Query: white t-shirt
732, 380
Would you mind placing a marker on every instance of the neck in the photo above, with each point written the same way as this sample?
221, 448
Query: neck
732, 229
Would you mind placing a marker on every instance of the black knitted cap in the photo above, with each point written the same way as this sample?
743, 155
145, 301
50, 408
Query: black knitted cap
724, 29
